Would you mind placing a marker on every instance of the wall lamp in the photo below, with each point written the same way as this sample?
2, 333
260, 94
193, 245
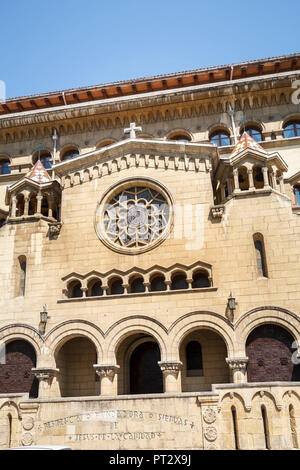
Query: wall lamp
231, 305
43, 319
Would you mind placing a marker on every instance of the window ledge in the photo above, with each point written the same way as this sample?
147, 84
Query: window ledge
139, 294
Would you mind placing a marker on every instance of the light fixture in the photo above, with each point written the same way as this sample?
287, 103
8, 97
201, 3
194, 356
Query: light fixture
231, 303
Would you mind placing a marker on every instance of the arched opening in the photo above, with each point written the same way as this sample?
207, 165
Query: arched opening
45, 207
254, 132
243, 178
137, 285
180, 135
95, 288
4, 166
258, 177
269, 350
179, 281
20, 205
69, 154
138, 357
297, 195
291, 129
157, 283
200, 279
220, 138
16, 374
260, 255
105, 143
265, 427
116, 286
74, 289
75, 360
22, 275
203, 353
9, 432
32, 204
45, 158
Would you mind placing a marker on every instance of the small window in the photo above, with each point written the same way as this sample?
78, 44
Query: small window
158, 284
200, 279
265, 427
116, 287
180, 137
260, 255
179, 282
254, 133
297, 195
75, 290
194, 365
137, 285
69, 154
4, 167
292, 129
220, 138
96, 290
22, 285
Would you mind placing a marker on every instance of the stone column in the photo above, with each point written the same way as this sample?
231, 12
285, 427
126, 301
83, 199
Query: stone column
266, 179
229, 186
281, 184
147, 286
273, 179
236, 181
223, 196
13, 206
250, 177
45, 377
170, 370
39, 203
26, 205
238, 366
106, 372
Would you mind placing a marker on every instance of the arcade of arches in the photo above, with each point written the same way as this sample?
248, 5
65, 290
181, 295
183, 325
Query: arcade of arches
139, 369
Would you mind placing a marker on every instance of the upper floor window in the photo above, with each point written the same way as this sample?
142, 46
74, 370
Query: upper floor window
68, 154
4, 167
254, 133
292, 129
220, 138
297, 194
45, 158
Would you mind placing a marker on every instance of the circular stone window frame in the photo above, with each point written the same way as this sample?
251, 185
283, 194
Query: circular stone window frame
111, 192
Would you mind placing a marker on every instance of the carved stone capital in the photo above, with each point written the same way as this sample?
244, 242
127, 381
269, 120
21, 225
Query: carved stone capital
217, 211
237, 363
170, 367
106, 370
45, 374
54, 229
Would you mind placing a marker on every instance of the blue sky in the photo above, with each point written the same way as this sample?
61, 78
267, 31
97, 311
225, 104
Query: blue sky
58, 44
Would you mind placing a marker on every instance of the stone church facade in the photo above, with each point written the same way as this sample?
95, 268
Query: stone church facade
149, 244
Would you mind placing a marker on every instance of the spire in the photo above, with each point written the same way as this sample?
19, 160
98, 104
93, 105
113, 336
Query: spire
38, 173
246, 141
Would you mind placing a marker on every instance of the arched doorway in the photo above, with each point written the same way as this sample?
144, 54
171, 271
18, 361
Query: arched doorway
145, 373
203, 353
16, 375
269, 350
75, 360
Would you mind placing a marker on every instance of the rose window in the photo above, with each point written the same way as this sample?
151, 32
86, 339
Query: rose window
136, 217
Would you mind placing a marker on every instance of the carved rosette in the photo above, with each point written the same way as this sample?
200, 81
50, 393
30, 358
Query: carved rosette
28, 423
106, 370
210, 433
170, 367
209, 415
27, 439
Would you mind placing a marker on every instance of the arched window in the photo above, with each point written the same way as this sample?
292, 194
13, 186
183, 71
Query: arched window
9, 423
105, 143
69, 154
158, 283
32, 207
20, 205
116, 286
180, 136
220, 138
260, 255
255, 133
4, 166
243, 178
75, 290
179, 282
200, 279
235, 427
45, 207
95, 288
45, 158
137, 285
265, 426
297, 195
194, 365
258, 177
291, 129
22, 282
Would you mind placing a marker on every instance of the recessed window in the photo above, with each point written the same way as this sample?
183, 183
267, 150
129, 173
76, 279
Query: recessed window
220, 138
69, 154
194, 365
292, 129
4, 167
137, 285
254, 133
158, 284
179, 282
297, 195
180, 137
